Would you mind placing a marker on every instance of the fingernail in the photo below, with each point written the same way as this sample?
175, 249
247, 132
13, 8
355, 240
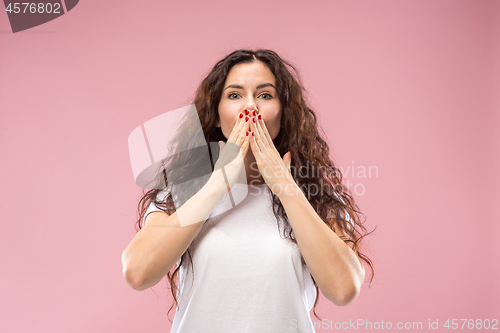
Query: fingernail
247, 112
241, 115
253, 133
247, 133
254, 113
260, 116
246, 118
253, 118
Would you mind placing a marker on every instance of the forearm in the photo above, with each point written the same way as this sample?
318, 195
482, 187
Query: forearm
161, 242
333, 264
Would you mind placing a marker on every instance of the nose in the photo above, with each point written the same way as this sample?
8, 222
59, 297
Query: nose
251, 104
249, 110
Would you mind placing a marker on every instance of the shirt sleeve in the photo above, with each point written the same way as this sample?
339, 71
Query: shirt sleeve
152, 208
161, 196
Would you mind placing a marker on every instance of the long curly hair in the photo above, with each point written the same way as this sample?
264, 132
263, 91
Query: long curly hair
299, 134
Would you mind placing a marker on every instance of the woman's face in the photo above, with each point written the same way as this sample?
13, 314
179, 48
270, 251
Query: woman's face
250, 86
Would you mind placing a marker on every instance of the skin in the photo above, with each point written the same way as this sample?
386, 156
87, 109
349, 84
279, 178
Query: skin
242, 92
334, 265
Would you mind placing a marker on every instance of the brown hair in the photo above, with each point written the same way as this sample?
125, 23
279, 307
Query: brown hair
299, 135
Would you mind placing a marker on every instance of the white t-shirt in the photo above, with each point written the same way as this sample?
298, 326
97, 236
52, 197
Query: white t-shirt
247, 278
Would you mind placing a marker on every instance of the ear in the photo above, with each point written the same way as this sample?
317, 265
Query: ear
287, 158
217, 123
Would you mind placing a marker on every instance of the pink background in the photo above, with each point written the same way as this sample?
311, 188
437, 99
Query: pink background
410, 87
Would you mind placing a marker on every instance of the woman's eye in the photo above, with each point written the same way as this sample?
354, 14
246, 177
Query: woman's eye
235, 95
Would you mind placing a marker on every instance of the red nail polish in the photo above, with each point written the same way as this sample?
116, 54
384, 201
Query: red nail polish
247, 112
246, 118
253, 133
253, 118
241, 115
247, 133
254, 113
260, 116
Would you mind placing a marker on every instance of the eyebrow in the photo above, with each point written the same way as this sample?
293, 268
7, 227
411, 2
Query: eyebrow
236, 86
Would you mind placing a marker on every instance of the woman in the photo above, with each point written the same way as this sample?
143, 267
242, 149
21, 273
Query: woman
259, 266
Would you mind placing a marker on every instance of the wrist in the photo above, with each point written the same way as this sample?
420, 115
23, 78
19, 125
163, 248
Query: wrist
217, 185
286, 189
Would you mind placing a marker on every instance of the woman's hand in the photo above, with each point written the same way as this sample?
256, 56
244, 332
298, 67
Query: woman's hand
274, 169
230, 163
